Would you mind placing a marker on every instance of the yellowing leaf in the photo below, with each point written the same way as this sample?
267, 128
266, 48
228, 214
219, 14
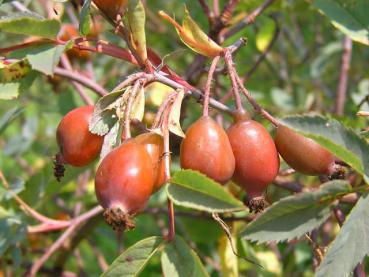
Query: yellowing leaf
265, 35
175, 113
138, 106
156, 93
228, 260
13, 71
136, 19
192, 35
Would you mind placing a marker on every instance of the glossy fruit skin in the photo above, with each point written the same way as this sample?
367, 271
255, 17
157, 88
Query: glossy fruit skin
206, 148
68, 32
78, 146
301, 153
124, 178
111, 7
154, 145
257, 160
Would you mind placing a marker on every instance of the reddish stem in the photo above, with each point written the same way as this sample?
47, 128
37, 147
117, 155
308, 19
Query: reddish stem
232, 74
255, 104
342, 83
66, 64
127, 112
207, 88
165, 130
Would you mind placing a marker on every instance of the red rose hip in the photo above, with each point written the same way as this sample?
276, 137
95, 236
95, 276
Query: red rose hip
206, 148
78, 146
123, 183
257, 160
154, 145
303, 154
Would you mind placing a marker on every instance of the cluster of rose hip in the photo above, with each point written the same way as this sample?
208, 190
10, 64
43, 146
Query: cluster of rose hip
129, 174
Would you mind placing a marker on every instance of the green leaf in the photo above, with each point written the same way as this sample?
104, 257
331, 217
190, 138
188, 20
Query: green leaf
104, 116
178, 260
293, 216
8, 117
11, 230
111, 139
350, 17
351, 244
84, 18
136, 21
30, 24
15, 187
192, 189
174, 124
45, 58
132, 261
332, 135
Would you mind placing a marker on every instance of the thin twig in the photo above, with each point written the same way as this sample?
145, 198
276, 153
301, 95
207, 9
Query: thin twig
36, 215
254, 104
208, 86
87, 82
194, 92
60, 241
79, 88
127, 112
249, 19
165, 130
342, 83
233, 76
264, 54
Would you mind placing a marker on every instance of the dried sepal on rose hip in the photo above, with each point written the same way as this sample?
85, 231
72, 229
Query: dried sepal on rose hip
257, 160
124, 182
77, 145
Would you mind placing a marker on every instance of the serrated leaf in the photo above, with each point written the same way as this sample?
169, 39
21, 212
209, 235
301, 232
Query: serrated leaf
192, 189
138, 105
332, 135
111, 139
192, 35
136, 21
175, 114
30, 24
351, 244
14, 71
84, 18
132, 261
104, 116
293, 216
350, 17
8, 117
178, 260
